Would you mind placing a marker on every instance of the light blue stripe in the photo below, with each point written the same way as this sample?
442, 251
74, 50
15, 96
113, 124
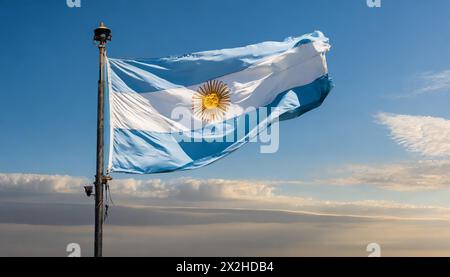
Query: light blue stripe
146, 152
143, 152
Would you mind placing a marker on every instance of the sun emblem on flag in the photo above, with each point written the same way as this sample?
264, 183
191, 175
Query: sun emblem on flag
211, 101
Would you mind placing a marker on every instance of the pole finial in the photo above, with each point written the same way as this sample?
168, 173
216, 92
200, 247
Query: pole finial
102, 34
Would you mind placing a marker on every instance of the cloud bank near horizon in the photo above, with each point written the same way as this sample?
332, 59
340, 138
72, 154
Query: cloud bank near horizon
241, 194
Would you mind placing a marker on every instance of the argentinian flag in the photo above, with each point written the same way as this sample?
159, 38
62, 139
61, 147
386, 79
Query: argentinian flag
184, 112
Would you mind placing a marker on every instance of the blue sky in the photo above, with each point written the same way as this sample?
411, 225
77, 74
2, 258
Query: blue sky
378, 146
49, 75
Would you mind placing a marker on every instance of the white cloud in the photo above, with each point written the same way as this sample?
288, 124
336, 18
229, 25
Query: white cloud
248, 194
36, 183
434, 82
189, 189
183, 189
408, 176
216, 189
429, 136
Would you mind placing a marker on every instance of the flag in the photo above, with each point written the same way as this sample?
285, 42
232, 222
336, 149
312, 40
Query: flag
184, 112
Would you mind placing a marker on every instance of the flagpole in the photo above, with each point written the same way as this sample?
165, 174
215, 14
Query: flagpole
101, 35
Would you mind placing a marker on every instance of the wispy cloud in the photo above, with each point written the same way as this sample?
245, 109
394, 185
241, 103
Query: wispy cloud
432, 82
426, 83
429, 136
281, 235
407, 176
426, 135
46, 230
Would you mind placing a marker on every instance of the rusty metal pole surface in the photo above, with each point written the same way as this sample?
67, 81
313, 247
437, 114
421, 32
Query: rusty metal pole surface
102, 35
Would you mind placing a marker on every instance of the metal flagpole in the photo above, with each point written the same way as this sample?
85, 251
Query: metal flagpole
101, 35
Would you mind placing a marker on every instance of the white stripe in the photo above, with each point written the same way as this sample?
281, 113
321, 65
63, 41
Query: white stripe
255, 87
111, 128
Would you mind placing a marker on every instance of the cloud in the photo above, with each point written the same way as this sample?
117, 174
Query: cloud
40, 184
59, 214
189, 189
231, 233
225, 194
426, 83
212, 217
426, 135
216, 189
432, 82
184, 189
429, 136
407, 176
